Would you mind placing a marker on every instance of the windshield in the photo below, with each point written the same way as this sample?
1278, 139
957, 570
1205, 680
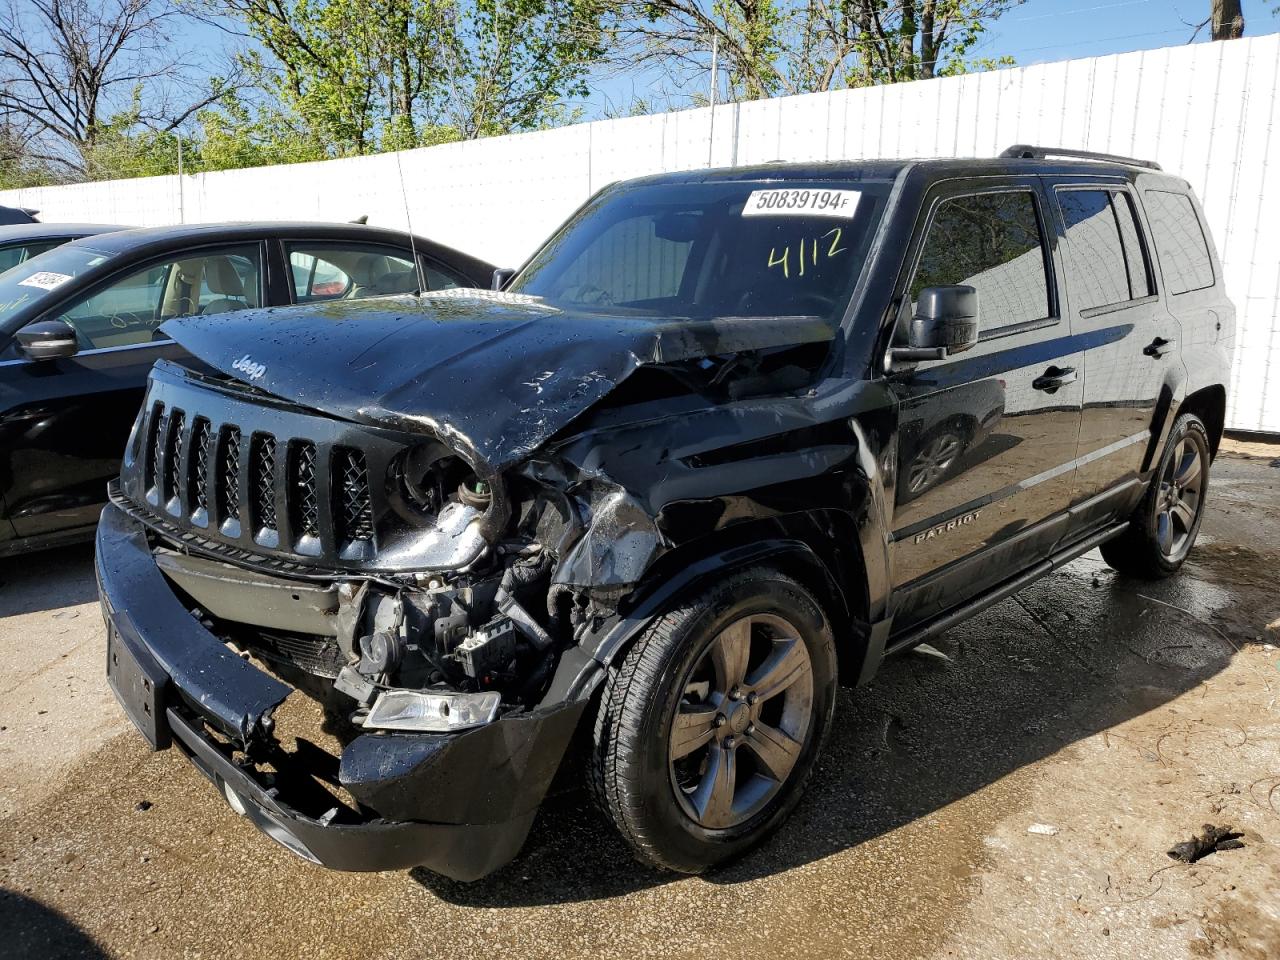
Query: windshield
705, 250
36, 280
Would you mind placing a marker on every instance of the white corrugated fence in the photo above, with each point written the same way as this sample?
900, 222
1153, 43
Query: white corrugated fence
1206, 111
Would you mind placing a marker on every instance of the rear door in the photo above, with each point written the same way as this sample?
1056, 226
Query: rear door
64, 423
1130, 344
987, 438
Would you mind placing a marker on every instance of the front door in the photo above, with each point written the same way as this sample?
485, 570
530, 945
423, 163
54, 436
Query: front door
64, 423
987, 438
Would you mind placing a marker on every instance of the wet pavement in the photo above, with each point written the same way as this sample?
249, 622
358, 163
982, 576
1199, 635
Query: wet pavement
1113, 717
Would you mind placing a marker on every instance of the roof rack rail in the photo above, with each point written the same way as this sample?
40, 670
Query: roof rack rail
1025, 151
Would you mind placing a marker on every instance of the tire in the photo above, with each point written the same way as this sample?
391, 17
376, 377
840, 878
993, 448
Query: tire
761, 744
1164, 526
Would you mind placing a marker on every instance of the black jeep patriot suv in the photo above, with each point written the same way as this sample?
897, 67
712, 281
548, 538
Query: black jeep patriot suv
729, 437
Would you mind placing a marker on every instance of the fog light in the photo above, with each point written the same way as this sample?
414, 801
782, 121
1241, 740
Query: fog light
234, 800
432, 712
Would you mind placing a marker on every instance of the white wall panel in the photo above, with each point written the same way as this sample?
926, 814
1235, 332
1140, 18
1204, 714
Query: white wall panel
1207, 112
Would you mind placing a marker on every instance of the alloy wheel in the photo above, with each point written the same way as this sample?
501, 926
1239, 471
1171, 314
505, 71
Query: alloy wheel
742, 722
1180, 498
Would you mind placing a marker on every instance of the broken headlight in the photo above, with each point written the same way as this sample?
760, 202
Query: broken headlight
432, 476
429, 712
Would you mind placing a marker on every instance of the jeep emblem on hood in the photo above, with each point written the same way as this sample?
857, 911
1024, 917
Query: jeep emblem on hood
249, 368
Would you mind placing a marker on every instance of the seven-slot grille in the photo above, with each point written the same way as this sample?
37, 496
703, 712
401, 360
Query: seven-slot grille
245, 485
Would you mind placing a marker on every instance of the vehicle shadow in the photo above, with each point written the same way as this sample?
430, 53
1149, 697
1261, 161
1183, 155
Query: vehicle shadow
1074, 654
47, 580
33, 930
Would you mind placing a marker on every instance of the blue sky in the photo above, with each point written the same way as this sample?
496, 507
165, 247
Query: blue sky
1043, 30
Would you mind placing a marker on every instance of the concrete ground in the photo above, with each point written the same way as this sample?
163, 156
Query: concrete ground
1015, 800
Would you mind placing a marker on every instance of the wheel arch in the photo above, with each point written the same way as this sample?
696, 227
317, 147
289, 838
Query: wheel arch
1210, 405
809, 549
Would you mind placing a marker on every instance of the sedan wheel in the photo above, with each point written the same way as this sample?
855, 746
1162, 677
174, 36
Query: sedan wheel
933, 461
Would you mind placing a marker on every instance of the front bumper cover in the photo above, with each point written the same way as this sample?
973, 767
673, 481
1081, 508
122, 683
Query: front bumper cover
458, 804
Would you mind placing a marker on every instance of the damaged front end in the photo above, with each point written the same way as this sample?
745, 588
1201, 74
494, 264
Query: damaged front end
427, 602
254, 547
439, 517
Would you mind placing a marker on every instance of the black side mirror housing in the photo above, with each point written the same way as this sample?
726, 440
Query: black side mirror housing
945, 323
501, 275
48, 340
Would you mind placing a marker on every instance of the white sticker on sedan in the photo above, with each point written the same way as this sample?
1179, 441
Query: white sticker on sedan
45, 280
802, 202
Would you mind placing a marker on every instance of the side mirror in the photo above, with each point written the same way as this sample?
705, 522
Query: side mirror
945, 323
501, 276
48, 340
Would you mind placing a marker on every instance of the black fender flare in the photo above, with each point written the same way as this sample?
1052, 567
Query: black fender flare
598, 650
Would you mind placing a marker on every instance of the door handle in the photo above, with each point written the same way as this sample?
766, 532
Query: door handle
1053, 378
1159, 347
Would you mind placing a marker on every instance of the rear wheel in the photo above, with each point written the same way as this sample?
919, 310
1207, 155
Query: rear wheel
1164, 527
709, 728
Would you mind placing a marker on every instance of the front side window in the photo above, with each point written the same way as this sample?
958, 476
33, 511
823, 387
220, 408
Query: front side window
1108, 265
129, 310
991, 242
1180, 243
709, 250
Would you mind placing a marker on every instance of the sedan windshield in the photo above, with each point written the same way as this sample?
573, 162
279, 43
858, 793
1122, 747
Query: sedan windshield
37, 280
706, 250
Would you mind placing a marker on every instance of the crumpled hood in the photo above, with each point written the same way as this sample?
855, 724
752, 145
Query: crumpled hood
497, 374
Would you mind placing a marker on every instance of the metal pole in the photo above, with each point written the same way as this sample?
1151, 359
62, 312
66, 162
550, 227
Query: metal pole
711, 134
182, 211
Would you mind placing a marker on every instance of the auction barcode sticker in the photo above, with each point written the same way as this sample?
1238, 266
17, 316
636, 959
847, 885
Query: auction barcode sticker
801, 202
45, 280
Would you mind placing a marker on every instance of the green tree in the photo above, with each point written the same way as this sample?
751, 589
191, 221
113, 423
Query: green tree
350, 77
346, 72
513, 64
769, 47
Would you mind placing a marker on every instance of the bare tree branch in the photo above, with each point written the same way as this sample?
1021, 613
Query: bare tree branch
68, 67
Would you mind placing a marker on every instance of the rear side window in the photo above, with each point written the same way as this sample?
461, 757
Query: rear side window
1108, 265
993, 243
336, 271
22, 252
1180, 242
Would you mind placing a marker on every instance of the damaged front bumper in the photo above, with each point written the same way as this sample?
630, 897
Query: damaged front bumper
458, 804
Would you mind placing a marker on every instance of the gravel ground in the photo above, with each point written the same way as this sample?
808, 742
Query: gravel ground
1015, 800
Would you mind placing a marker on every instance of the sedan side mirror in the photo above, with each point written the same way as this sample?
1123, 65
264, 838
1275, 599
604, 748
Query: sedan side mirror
501, 276
945, 323
48, 340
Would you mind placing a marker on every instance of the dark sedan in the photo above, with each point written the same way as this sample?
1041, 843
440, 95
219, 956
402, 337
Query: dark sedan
17, 215
20, 242
80, 329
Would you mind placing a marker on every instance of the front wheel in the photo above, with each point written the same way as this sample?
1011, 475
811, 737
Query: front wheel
1164, 527
709, 728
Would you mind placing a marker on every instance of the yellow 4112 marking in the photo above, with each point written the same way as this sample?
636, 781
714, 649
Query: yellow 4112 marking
807, 247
